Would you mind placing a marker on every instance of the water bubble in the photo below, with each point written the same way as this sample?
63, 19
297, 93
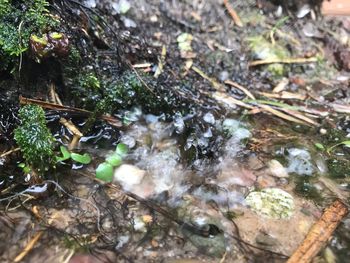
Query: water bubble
179, 125
209, 118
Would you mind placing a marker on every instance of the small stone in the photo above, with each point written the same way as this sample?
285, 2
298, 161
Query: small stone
265, 240
265, 181
128, 176
277, 169
147, 219
139, 225
323, 131
209, 118
272, 203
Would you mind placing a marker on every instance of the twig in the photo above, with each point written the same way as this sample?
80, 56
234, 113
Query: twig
320, 233
233, 14
57, 107
283, 61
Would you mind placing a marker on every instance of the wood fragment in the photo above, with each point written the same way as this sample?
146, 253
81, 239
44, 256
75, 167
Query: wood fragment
233, 14
320, 233
283, 61
52, 106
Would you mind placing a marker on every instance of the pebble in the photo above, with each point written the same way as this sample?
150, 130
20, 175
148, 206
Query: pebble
277, 170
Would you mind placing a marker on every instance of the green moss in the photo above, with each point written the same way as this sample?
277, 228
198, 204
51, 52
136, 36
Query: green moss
129, 90
333, 136
338, 168
18, 20
89, 81
264, 50
305, 188
34, 138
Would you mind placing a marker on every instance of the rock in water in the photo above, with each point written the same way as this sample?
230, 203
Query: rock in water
271, 202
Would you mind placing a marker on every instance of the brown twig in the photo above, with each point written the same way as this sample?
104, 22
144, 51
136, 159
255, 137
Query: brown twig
233, 14
320, 233
52, 106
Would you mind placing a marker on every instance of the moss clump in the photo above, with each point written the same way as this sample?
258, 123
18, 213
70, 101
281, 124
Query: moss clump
338, 168
129, 90
333, 136
264, 50
35, 139
306, 189
89, 81
18, 20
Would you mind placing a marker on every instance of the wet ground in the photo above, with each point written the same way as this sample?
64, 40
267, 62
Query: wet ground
189, 190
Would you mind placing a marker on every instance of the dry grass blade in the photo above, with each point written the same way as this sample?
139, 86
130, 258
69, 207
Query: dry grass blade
9, 152
282, 115
341, 108
215, 84
230, 101
284, 95
300, 116
236, 85
283, 61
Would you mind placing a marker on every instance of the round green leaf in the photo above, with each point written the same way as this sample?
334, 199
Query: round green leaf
104, 172
122, 149
320, 146
65, 154
114, 159
84, 159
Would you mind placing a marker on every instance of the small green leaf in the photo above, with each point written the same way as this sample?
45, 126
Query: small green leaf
21, 165
320, 146
122, 149
346, 143
65, 154
114, 159
26, 170
104, 172
84, 159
